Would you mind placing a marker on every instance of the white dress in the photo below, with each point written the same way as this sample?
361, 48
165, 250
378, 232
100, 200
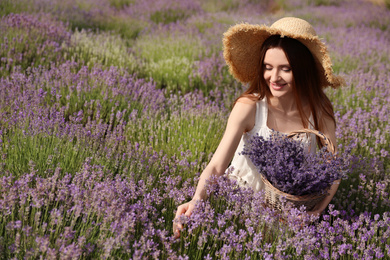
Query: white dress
241, 168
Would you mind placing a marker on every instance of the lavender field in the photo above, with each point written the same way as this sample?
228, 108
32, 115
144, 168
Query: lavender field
110, 109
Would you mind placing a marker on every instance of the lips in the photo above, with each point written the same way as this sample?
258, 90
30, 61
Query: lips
277, 86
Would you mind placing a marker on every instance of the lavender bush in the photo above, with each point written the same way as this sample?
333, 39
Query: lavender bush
288, 167
27, 41
100, 141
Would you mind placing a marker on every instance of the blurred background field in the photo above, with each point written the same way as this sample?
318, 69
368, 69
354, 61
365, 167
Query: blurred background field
110, 109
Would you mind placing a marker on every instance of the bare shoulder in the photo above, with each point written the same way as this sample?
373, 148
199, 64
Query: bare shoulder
244, 113
246, 104
250, 100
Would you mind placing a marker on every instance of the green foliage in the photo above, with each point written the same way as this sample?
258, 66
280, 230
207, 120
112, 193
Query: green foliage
102, 48
171, 73
187, 132
160, 47
98, 101
126, 27
119, 4
211, 24
13, 6
214, 6
322, 2
27, 47
78, 15
344, 64
95, 20
274, 6
45, 151
168, 16
382, 25
372, 181
203, 25
169, 62
351, 98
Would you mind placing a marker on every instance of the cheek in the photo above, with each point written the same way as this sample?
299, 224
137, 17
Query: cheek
288, 77
291, 79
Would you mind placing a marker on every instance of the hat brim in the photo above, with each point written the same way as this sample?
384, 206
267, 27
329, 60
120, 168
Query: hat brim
242, 44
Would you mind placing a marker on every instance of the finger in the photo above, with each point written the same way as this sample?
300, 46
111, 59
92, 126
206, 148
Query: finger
180, 211
176, 230
176, 234
189, 211
177, 226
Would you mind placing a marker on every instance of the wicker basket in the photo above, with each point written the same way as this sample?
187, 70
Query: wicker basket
273, 195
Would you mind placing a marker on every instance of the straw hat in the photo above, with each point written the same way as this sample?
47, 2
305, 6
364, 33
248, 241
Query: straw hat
242, 44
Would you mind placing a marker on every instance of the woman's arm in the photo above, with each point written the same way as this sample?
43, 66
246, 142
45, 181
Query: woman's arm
241, 119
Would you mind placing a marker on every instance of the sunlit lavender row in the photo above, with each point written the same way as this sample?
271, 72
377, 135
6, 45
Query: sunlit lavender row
110, 109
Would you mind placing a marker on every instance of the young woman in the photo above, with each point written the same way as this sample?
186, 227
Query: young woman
286, 68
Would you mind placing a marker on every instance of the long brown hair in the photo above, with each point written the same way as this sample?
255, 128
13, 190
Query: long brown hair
306, 83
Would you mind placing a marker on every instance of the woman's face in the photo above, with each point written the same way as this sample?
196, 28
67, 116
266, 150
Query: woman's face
278, 73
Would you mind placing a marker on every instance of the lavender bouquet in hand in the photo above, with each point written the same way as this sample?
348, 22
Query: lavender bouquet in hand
289, 168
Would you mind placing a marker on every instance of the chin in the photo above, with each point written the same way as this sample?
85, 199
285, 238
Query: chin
280, 94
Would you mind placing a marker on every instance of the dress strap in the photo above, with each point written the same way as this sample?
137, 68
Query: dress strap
262, 113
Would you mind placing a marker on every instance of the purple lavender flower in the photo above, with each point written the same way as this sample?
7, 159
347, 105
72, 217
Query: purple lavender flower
285, 164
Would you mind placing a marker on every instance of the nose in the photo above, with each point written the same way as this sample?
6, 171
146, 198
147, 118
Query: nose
275, 76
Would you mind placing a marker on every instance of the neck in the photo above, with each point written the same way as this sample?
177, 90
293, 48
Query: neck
285, 105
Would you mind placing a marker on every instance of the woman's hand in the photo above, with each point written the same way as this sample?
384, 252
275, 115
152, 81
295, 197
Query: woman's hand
184, 209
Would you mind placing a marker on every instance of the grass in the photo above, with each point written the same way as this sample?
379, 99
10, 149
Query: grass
168, 16
10, 6
119, 4
105, 49
171, 61
126, 27
220, 6
45, 151
323, 2
187, 132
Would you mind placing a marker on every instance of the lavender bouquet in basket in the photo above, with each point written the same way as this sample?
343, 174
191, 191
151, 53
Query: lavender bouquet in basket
289, 168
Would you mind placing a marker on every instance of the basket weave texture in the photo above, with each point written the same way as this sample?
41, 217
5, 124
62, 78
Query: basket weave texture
273, 195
